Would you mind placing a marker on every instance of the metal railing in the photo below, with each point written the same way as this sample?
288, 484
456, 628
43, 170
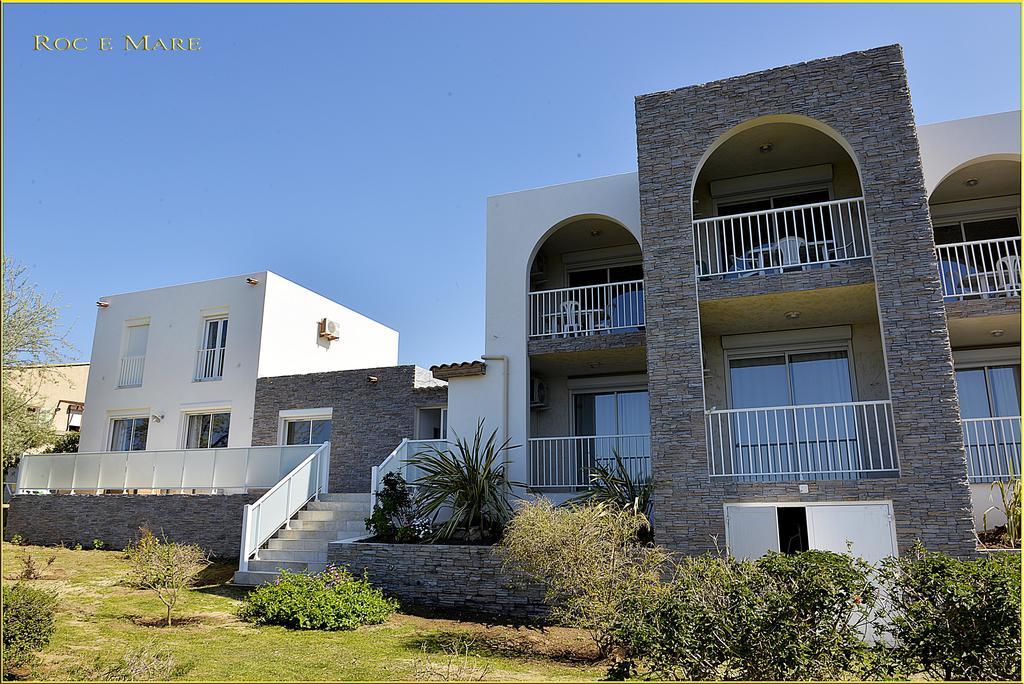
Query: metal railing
993, 448
587, 310
234, 468
840, 441
982, 268
568, 462
398, 462
274, 510
209, 364
776, 240
131, 371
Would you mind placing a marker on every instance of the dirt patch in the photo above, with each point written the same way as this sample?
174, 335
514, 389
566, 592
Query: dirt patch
996, 539
557, 644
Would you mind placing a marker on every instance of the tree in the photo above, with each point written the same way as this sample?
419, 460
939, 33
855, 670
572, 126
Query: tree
30, 339
164, 567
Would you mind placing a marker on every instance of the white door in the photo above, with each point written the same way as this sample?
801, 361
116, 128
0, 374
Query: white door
751, 531
865, 530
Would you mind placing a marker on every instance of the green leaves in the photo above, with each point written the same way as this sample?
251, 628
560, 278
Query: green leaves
28, 624
331, 600
615, 486
468, 484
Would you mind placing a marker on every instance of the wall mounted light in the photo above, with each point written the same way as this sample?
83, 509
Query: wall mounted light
792, 315
971, 182
252, 281
998, 332
372, 379
102, 305
767, 147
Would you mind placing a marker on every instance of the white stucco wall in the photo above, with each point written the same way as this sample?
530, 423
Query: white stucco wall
948, 145
175, 318
290, 342
987, 506
516, 225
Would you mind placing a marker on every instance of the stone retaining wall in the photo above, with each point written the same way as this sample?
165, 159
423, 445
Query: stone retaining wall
214, 522
444, 577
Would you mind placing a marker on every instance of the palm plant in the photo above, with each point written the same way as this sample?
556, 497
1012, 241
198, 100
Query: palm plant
469, 482
615, 485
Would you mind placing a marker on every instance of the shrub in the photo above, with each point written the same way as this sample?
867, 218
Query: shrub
17, 540
28, 624
469, 483
955, 619
98, 544
589, 560
616, 486
65, 444
395, 516
165, 568
330, 600
797, 616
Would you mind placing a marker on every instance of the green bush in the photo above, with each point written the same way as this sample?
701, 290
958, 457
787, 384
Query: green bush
28, 623
395, 516
330, 600
955, 619
782, 617
65, 444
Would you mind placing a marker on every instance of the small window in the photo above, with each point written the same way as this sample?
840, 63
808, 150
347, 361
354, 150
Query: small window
307, 431
74, 418
210, 357
207, 430
129, 434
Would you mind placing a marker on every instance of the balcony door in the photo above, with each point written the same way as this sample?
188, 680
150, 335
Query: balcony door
811, 431
990, 411
210, 365
613, 422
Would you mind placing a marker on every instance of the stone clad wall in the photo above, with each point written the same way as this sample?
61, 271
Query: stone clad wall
212, 521
865, 98
443, 577
369, 419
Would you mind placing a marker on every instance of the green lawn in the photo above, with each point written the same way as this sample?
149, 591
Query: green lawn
100, 620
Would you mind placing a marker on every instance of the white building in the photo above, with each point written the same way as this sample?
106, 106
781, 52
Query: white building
176, 367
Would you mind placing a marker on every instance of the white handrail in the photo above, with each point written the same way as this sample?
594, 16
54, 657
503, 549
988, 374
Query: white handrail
172, 469
131, 371
993, 448
776, 240
209, 364
846, 440
568, 462
264, 517
587, 310
397, 460
980, 268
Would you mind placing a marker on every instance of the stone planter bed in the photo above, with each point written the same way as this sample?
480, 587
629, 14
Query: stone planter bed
453, 578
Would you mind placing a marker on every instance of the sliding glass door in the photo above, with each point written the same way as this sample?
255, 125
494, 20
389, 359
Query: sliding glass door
606, 424
807, 424
990, 413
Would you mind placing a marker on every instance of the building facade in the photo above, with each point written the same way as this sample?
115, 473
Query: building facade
757, 319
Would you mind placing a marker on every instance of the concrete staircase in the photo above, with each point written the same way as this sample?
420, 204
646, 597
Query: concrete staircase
303, 547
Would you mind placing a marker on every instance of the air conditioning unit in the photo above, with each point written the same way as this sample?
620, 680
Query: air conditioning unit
538, 393
328, 329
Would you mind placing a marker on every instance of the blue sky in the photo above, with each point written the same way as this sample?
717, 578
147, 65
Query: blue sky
351, 148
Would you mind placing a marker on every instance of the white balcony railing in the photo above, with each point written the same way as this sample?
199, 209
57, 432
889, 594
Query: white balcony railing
568, 462
983, 268
131, 371
810, 442
993, 448
265, 516
588, 310
398, 461
209, 364
235, 468
804, 237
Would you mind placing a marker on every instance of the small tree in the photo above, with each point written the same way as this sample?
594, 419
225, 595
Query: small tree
30, 339
164, 567
65, 444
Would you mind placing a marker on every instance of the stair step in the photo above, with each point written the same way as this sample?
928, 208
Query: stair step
298, 544
326, 535
360, 497
292, 555
361, 507
291, 566
304, 525
253, 578
318, 515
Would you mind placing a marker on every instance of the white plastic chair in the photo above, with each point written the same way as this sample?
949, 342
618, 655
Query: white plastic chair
790, 251
1008, 272
570, 317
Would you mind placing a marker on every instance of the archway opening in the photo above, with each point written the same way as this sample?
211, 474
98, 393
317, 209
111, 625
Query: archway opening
976, 222
775, 196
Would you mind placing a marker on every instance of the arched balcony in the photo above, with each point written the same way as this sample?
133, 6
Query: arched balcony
976, 221
776, 195
586, 278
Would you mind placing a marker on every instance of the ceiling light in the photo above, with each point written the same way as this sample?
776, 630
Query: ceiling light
595, 232
767, 147
792, 315
971, 182
998, 332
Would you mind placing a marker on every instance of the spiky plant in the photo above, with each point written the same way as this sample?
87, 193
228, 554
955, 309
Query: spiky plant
614, 485
469, 482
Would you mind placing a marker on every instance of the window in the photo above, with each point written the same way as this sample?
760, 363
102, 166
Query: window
74, 418
432, 423
129, 434
606, 274
790, 379
307, 431
611, 413
134, 356
210, 362
989, 391
207, 430
980, 229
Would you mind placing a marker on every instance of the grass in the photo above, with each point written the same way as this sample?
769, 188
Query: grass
101, 621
